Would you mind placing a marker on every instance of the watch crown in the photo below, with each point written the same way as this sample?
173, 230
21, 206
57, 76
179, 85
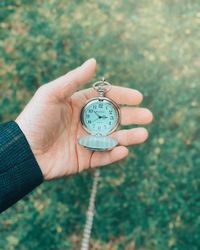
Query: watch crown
102, 86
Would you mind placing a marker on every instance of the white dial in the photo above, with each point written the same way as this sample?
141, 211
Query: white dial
100, 116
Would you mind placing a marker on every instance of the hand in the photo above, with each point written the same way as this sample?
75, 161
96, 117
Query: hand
51, 124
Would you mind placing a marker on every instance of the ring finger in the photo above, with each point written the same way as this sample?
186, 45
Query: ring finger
132, 136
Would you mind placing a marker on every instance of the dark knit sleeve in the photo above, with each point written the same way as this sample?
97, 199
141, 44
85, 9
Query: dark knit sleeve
19, 170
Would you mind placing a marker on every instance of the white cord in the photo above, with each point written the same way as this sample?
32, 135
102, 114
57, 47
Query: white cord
90, 213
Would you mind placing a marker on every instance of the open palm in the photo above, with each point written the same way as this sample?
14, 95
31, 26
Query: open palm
51, 124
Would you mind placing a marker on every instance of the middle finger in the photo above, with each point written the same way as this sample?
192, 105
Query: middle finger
135, 115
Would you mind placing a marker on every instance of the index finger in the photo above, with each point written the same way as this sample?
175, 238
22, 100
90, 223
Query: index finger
121, 95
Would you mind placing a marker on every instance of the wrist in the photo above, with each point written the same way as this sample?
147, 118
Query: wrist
24, 128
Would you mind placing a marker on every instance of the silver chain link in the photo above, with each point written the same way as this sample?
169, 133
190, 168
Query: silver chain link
102, 87
90, 212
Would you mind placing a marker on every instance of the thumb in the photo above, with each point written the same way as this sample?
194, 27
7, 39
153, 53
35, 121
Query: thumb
67, 84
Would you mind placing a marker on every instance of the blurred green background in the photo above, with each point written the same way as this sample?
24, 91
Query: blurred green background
151, 200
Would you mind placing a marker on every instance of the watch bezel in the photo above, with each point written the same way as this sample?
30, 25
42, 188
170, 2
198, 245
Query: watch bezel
116, 106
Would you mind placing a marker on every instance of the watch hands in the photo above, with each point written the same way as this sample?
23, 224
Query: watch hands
104, 117
100, 117
97, 114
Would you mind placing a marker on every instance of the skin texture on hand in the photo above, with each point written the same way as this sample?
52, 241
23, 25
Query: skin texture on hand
51, 123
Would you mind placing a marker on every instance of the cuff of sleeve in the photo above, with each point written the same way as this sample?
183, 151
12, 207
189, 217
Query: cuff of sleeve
19, 170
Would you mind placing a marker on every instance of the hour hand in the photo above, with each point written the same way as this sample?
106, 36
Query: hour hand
104, 117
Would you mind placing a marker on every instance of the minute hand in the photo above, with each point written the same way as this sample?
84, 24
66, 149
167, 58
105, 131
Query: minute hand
97, 114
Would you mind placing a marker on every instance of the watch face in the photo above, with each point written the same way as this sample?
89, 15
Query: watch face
100, 116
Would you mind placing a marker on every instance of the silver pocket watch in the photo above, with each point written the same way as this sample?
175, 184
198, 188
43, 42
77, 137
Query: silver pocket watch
100, 116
